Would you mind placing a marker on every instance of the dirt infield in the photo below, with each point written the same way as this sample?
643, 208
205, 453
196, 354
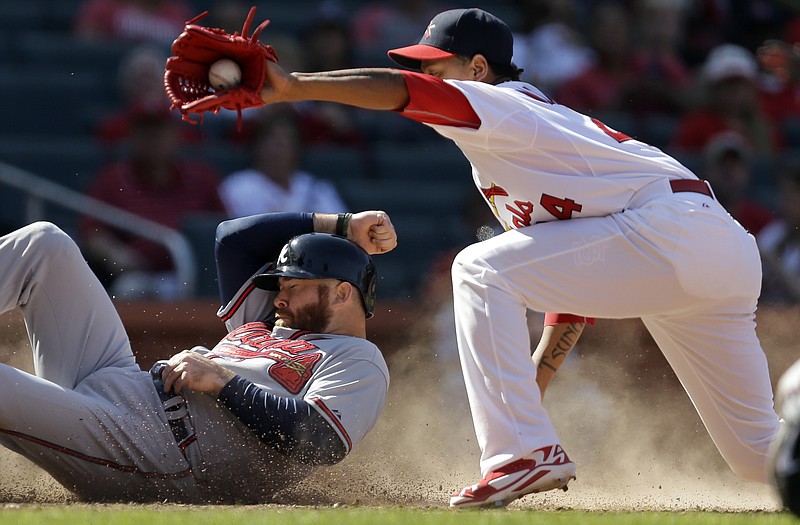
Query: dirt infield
621, 414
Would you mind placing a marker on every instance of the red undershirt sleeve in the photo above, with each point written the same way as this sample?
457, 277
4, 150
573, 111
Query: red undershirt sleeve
551, 319
434, 101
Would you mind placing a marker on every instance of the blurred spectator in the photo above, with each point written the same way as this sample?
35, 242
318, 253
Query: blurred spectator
728, 167
391, 23
779, 243
659, 77
547, 45
780, 62
140, 79
603, 85
730, 102
328, 39
791, 33
376, 28
274, 180
328, 46
154, 21
635, 65
230, 15
780, 85
754, 21
154, 183
707, 23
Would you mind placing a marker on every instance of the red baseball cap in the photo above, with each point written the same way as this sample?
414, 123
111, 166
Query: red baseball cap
460, 32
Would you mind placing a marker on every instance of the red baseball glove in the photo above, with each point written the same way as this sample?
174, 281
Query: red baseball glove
196, 48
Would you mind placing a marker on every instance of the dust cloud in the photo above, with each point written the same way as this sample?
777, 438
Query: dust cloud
621, 414
20, 480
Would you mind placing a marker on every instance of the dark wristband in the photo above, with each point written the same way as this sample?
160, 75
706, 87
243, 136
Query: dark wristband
342, 223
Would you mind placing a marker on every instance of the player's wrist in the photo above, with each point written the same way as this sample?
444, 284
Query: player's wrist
338, 223
343, 223
229, 384
325, 222
224, 376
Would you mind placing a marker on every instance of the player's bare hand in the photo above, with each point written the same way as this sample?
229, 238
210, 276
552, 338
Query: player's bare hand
373, 231
277, 84
190, 371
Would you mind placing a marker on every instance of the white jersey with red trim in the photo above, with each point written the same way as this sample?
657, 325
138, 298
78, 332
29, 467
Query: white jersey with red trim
344, 378
647, 224
538, 161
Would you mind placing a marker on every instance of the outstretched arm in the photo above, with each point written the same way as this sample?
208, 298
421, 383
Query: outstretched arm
420, 97
377, 88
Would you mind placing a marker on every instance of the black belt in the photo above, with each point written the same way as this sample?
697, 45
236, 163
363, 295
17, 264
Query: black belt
692, 186
173, 404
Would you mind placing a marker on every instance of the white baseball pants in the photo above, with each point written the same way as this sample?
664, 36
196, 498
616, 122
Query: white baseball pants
679, 262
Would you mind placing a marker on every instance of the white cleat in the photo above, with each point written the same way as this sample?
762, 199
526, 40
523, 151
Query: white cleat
544, 469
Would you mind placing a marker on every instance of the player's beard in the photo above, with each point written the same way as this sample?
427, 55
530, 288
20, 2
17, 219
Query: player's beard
314, 317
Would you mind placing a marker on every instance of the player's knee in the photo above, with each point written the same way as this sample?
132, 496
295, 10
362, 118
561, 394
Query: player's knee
468, 263
46, 236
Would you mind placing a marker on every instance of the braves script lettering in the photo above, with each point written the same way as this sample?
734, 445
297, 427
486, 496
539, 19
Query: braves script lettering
294, 359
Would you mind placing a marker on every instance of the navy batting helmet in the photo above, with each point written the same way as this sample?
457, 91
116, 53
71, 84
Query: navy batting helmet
786, 449
324, 256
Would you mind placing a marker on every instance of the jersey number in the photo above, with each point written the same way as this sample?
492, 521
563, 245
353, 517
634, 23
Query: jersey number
559, 208
616, 135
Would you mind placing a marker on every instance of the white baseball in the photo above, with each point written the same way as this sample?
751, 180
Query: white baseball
224, 73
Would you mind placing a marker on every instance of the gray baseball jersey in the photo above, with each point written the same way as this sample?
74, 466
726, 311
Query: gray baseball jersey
96, 422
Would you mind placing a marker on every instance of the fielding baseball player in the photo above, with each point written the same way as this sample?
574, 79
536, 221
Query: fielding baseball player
598, 225
293, 385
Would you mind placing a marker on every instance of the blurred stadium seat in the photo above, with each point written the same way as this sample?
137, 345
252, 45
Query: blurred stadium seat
47, 102
62, 51
21, 16
72, 162
421, 162
424, 197
657, 130
336, 162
